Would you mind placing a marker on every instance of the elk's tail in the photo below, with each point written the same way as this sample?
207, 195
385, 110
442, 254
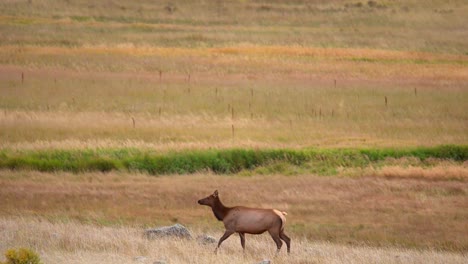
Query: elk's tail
281, 215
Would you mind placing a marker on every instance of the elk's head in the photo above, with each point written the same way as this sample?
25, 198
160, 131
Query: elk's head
210, 200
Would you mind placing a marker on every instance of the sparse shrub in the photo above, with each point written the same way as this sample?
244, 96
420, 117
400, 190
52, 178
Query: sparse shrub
358, 5
102, 165
170, 8
264, 8
21, 256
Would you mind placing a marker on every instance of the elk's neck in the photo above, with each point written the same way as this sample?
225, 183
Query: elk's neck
219, 210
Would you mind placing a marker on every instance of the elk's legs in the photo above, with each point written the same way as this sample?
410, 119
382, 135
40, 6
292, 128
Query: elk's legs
277, 240
285, 239
242, 238
226, 235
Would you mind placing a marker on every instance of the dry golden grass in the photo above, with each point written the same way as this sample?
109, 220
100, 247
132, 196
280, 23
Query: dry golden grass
319, 74
270, 51
254, 60
435, 173
295, 112
407, 211
403, 25
72, 242
297, 73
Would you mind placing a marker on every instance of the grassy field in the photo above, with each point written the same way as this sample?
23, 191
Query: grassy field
352, 116
278, 111
72, 242
376, 210
212, 74
400, 25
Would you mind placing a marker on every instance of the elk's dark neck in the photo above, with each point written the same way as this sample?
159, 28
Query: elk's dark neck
219, 210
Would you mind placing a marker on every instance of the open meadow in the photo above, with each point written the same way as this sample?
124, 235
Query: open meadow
119, 115
116, 73
100, 218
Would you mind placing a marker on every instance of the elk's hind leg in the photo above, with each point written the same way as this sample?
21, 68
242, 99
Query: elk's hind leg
277, 239
286, 239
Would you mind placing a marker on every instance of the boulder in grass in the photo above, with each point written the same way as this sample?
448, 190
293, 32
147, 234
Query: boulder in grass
206, 239
176, 230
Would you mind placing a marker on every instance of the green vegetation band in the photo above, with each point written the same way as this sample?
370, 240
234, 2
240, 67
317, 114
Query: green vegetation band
218, 161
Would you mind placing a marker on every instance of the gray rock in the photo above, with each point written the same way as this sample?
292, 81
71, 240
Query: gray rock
176, 230
159, 262
265, 261
140, 259
206, 239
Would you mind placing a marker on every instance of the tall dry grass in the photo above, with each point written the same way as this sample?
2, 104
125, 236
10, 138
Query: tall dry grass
402, 25
408, 210
72, 242
298, 111
295, 74
108, 74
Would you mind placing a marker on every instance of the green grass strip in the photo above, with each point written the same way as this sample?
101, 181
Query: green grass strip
225, 161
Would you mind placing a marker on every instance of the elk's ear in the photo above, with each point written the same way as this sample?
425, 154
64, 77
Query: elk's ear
215, 194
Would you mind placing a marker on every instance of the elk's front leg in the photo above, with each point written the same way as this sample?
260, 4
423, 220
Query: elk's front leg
226, 235
242, 238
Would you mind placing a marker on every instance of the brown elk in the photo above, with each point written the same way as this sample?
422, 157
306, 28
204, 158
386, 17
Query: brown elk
245, 220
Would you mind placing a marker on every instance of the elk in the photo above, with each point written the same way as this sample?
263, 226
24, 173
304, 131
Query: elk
245, 220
